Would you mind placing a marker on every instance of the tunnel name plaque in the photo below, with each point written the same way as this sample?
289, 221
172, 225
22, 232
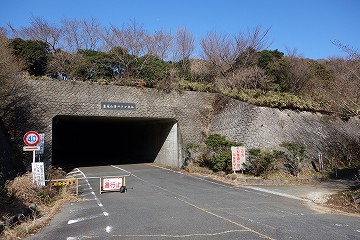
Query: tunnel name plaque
117, 106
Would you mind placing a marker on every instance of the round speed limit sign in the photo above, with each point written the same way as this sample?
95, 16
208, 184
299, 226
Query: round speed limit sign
31, 138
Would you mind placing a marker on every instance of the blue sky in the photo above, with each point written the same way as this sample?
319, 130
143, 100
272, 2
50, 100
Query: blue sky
308, 25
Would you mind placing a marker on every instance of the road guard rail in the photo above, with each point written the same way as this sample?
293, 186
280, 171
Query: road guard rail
65, 182
107, 183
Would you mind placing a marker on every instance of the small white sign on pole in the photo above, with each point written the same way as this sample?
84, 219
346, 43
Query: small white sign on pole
238, 158
38, 173
31, 148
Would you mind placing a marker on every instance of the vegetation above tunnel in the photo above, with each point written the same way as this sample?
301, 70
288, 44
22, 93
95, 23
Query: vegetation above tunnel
240, 66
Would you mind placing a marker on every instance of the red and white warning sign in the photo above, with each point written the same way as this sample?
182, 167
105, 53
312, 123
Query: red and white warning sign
238, 158
31, 138
112, 184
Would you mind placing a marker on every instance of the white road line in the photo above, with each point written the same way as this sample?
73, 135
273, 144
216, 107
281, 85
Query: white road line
228, 220
245, 187
276, 193
179, 236
108, 229
153, 165
121, 169
93, 193
212, 182
176, 196
156, 236
72, 221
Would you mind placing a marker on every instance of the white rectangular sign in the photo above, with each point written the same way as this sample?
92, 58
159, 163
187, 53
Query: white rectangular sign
238, 158
38, 173
112, 183
31, 148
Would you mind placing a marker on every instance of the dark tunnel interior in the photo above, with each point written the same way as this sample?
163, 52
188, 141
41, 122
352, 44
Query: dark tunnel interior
88, 141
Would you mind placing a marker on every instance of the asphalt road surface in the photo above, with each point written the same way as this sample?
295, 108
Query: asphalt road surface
165, 204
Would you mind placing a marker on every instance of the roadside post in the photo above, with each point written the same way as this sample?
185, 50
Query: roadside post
31, 140
321, 162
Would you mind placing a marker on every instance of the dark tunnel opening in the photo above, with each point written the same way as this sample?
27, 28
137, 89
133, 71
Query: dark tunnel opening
88, 141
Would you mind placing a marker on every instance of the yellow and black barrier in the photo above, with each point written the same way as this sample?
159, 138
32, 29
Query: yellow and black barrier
65, 182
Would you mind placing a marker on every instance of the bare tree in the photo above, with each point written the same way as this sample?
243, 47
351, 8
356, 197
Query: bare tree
250, 77
128, 44
81, 34
184, 45
3, 31
298, 73
350, 78
10, 81
293, 53
160, 44
352, 53
90, 34
227, 53
41, 30
63, 64
220, 50
254, 41
72, 34
131, 37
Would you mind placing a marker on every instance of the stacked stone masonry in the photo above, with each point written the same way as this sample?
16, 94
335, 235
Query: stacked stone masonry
253, 126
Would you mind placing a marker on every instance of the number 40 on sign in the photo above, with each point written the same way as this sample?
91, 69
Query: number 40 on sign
31, 138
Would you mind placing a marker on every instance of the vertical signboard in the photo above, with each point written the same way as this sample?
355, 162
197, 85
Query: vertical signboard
41, 144
38, 173
238, 158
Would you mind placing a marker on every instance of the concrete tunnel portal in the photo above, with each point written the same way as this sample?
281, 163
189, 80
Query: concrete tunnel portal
90, 140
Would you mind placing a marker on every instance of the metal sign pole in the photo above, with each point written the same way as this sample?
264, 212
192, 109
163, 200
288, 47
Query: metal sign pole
33, 166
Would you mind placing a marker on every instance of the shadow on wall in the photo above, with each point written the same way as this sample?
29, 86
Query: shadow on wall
10, 166
21, 115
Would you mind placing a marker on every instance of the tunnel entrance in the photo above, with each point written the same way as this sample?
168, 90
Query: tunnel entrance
89, 141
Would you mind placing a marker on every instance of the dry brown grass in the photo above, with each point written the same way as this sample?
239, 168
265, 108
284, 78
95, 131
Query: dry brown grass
20, 194
346, 200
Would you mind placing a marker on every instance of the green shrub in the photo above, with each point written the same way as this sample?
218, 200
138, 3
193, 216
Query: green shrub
221, 162
294, 157
262, 163
218, 157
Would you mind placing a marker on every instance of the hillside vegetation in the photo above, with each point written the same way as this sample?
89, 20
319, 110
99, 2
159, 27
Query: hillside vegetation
241, 66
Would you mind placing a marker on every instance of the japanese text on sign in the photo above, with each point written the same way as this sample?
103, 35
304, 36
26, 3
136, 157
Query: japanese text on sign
111, 184
118, 106
38, 173
238, 158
